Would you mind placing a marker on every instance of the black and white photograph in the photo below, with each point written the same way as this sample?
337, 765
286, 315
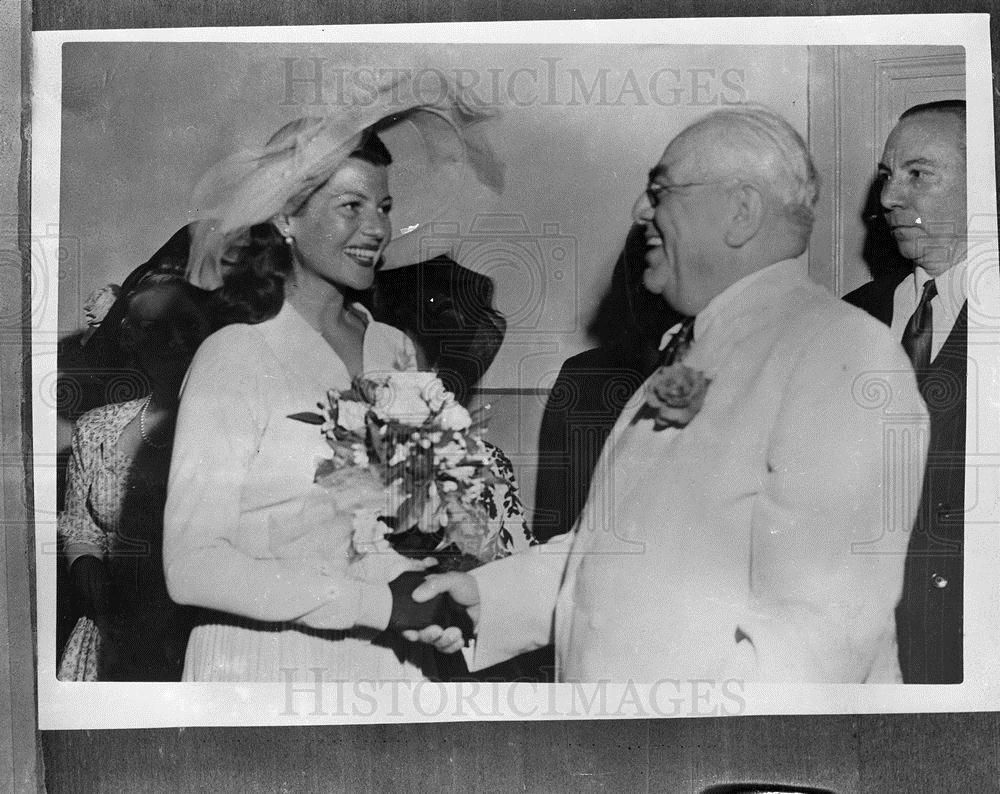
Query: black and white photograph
514, 371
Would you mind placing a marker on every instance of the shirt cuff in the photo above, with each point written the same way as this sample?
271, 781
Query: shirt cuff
351, 603
374, 605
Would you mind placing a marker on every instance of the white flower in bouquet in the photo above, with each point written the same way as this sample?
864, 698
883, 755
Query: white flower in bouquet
399, 454
464, 474
451, 454
359, 456
412, 381
351, 415
399, 398
432, 517
436, 395
474, 490
453, 416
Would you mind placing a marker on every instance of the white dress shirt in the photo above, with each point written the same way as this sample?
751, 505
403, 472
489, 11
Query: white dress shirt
945, 306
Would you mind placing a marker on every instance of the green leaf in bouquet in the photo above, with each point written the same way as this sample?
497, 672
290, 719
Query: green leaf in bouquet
410, 511
480, 416
326, 468
378, 441
402, 431
352, 395
489, 549
396, 495
308, 417
412, 475
345, 436
420, 465
470, 530
363, 390
476, 540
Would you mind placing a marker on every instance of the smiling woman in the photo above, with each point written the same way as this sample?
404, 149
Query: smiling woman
288, 238
340, 231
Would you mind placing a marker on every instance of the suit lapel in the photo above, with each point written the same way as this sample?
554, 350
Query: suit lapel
876, 298
957, 342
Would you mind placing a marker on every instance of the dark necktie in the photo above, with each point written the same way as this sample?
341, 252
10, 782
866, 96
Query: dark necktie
678, 344
917, 334
671, 354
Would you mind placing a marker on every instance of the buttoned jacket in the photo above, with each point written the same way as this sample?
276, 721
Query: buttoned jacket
930, 615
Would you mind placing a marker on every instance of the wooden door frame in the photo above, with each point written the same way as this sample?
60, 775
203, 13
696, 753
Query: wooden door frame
18, 705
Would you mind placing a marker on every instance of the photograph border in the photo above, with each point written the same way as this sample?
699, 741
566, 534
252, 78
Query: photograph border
68, 705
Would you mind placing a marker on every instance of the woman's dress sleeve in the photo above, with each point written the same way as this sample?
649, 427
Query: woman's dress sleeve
219, 425
77, 530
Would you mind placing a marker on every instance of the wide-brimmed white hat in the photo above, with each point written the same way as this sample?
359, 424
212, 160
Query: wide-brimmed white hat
431, 131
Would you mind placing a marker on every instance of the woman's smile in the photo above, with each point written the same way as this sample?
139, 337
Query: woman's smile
366, 256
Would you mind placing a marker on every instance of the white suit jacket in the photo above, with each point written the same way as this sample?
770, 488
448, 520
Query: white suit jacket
765, 540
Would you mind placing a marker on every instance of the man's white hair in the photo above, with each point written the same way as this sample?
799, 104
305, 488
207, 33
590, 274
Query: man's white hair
754, 141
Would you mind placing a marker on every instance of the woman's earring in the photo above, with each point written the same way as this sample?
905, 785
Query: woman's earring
287, 235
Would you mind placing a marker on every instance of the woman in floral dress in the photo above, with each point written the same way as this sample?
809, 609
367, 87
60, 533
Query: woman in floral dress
111, 526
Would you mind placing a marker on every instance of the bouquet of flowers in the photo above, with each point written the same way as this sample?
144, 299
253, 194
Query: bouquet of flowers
429, 455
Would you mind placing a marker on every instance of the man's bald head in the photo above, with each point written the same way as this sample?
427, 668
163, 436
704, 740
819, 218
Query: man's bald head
755, 143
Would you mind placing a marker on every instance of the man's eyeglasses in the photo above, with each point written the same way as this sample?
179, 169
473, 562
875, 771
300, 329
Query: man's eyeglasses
657, 191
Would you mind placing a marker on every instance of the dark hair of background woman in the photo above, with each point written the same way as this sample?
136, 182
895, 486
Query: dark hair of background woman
447, 310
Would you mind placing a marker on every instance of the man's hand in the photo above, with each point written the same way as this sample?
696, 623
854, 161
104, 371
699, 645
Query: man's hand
408, 613
463, 592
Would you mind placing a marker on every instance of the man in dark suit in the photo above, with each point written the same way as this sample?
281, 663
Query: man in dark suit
923, 184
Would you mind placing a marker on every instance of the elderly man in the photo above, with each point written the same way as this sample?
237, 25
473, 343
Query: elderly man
922, 175
746, 483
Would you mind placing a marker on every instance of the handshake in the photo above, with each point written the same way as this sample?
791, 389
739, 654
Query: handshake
438, 609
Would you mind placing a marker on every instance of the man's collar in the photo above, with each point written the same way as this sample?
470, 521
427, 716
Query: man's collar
950, 286
780, 273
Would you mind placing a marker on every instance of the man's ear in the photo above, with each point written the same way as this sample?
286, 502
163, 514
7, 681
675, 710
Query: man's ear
746, 214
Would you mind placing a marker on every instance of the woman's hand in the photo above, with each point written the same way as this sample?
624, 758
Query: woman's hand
92, 589
91, 586
384, 566
464, 592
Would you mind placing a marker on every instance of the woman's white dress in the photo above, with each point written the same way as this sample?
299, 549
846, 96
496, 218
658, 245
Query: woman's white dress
251, 538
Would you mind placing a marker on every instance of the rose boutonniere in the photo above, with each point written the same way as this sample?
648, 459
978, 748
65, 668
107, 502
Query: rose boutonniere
674, 395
